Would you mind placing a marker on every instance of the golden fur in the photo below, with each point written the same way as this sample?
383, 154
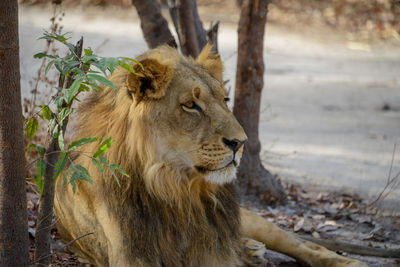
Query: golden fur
180, 144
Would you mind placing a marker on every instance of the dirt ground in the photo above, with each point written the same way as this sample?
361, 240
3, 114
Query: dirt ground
329, 124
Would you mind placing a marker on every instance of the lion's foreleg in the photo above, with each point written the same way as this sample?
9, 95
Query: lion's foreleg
255, 227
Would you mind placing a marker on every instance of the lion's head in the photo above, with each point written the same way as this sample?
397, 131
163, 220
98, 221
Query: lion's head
170, 119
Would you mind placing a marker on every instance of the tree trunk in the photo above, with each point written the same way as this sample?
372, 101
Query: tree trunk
13, 215
45, 215
154, 26
253, 177
188, 35
201, 34
191, 34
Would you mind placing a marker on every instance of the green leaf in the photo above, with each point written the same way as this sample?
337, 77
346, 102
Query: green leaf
39, 55
74, 177
54, 36
103, 147
87, 59
40, 184
42, 55
77, 71
29, 148
60, 165
46, 112
40, 168
84, 173
59, 101
32, 127
74, 89
103, 161
58, 66
69, 66
96, 88
108, 63
84, 88
102, 80
41, 150
46, 70
98, 165
68, 58
61, 140
65, 179
119, 168
54, 131
128, 67
40, 172
80, 173
82, 141
52, 123
63, 114
100, 67
116, 177
71, 48
131, 59
88, 52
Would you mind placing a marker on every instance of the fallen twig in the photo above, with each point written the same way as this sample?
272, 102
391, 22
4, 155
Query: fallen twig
390, 181
352, 248
66, 245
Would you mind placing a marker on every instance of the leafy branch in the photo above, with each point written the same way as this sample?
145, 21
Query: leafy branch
77, 74
84, 73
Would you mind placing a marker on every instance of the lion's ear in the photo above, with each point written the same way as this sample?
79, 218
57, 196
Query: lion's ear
210, 61
151, 81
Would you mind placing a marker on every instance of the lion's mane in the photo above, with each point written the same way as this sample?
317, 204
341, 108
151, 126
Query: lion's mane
168, 217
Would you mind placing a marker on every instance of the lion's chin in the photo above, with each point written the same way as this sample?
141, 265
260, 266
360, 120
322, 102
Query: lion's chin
222, 176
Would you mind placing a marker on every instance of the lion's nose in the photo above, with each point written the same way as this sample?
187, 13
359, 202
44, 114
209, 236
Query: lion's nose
233, 144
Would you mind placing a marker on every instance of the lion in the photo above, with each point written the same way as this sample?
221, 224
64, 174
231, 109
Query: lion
181, 145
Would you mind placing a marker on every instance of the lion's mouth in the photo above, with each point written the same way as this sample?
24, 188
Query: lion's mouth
202, 169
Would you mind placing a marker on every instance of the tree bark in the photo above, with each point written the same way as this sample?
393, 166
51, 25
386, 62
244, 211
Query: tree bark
13, 214
188, 35
45, 215
253, 177
154, 26
201, 34
191, 34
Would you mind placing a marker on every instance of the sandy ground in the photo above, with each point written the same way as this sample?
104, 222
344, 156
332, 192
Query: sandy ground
322, 120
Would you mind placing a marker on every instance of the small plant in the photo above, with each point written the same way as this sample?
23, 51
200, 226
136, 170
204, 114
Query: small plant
77, 74
83, 73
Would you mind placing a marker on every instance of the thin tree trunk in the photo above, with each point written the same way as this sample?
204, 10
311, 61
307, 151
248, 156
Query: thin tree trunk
45, 215
253, 177
154, 26
191, 34
201, 34
188, 35
13, 214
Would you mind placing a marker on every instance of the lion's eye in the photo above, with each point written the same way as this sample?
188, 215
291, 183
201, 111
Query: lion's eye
227, 99
191, 106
